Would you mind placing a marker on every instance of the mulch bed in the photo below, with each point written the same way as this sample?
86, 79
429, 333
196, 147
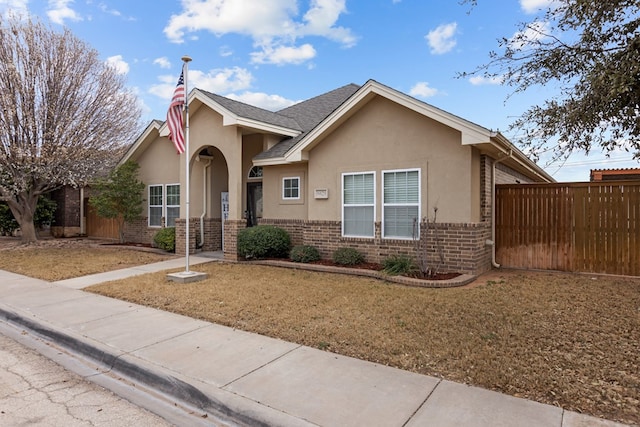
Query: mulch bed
378, 267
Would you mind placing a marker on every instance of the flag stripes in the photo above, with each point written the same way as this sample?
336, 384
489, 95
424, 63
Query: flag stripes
174, 115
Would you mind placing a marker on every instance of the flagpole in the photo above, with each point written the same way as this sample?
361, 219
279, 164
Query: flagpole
185, 68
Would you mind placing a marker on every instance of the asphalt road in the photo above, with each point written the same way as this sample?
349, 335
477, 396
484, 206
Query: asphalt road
35, 391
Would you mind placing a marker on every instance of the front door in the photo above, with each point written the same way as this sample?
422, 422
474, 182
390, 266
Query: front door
254, 203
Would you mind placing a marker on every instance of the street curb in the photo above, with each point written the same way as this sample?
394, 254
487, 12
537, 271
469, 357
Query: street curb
166, 384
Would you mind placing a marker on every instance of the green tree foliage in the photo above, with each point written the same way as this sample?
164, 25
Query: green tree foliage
119, 196
590, 50
65, 115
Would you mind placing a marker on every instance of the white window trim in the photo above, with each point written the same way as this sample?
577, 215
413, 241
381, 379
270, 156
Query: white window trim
418, 204
166, 200
299, 187
164, 206
373, 204
149, 206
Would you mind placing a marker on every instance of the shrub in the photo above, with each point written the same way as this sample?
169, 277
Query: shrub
165, 239
263, 241
348, 256
304, 253
399, 264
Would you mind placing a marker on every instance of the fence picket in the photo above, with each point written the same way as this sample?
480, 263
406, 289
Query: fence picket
587, 227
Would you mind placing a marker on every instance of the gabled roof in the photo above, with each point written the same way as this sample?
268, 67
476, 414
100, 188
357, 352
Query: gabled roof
305, 124
309, 114
250, 112
297, 149
153, 126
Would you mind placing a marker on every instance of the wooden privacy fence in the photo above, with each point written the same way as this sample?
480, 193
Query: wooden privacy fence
582, 227
100, 227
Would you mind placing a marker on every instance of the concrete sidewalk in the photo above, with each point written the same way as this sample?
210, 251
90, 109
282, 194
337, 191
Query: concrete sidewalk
251, 379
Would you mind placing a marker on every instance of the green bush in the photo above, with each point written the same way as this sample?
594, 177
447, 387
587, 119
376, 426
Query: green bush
304, 253
8, 223
263, 241
399, 264
165, 239
348, 256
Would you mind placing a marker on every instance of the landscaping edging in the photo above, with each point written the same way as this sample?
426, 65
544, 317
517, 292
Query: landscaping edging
463, 279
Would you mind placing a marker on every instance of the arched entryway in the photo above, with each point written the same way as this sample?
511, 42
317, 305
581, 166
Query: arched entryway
209, 189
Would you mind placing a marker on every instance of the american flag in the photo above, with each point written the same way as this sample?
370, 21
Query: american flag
174, 115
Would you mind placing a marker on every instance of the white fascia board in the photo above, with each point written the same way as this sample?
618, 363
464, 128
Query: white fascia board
270, 162
258, 125
471, 133
154, 125
231, 119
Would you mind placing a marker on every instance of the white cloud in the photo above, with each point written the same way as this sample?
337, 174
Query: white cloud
274, 25
16, 8
481, 80
442, 39
534, 6
220, 81
535, 31
284, 55
118, 63
60, 10
225, 51
163, 62
423, 90
263, 100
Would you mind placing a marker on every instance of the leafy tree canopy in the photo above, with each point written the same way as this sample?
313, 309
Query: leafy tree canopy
590, 50
119, 196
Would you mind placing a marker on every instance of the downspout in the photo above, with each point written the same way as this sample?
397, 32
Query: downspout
493, 207
204, 197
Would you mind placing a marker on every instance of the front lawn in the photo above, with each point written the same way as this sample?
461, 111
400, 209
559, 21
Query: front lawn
561, 339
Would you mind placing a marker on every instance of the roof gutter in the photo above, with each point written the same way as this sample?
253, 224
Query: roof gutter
506, 146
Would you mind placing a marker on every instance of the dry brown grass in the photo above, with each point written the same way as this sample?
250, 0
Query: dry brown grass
567, 340
54, 260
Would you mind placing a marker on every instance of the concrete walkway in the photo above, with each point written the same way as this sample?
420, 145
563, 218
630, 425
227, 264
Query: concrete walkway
249, 378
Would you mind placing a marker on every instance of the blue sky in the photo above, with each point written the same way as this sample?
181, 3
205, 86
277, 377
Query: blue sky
272, 53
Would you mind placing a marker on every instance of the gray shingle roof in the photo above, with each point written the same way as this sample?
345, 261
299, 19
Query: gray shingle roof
254, 113
309, 114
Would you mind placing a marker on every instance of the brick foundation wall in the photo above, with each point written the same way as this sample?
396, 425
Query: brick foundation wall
231, 229
138, 231
212, 234
463, 246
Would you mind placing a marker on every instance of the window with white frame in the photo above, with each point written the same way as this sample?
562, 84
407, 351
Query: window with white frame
156, 205
164, 202
358, 204
173, 204
401, 203
291, 188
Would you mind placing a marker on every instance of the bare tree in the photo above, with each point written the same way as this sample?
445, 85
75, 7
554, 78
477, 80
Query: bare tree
64, 115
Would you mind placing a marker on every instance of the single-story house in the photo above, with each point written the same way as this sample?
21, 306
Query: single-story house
366, 167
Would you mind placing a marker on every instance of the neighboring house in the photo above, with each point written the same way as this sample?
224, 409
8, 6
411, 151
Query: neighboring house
359, 166
615, 174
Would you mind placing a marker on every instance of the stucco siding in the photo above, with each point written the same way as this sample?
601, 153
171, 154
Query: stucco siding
275, 206
386, 136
